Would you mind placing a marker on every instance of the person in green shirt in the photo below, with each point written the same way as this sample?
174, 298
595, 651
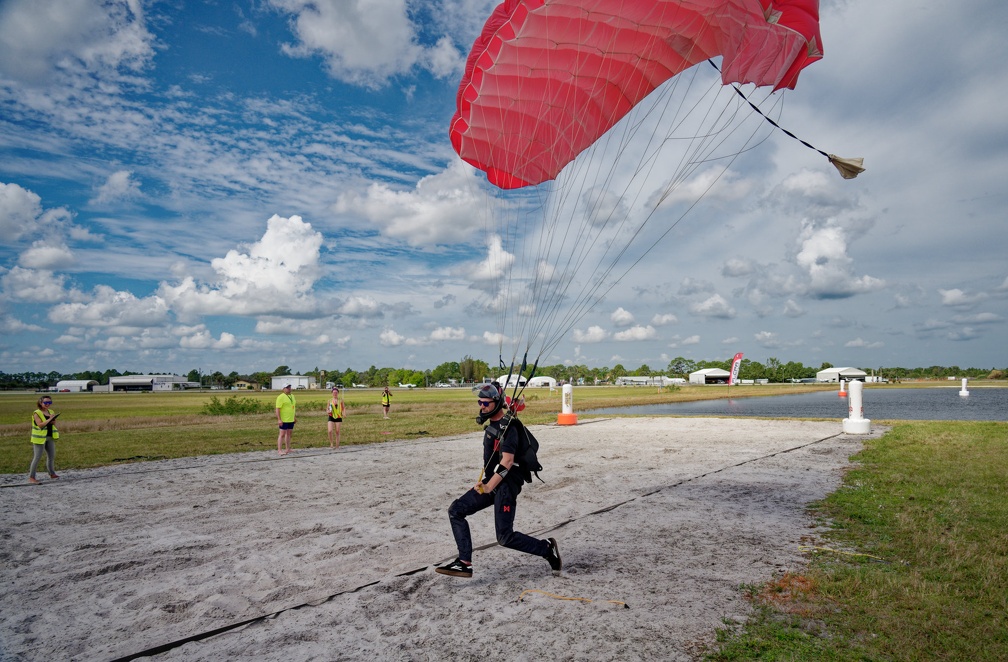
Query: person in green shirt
286, 418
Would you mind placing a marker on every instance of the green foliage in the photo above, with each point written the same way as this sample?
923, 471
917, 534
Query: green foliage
471, 370
235, 405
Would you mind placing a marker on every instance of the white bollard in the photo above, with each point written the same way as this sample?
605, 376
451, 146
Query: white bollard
856, 423
964, 392
843, 390
567, 415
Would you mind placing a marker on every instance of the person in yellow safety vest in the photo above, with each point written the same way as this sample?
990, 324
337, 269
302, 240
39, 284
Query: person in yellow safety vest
386, 401
43, 437
286, 413
335, 412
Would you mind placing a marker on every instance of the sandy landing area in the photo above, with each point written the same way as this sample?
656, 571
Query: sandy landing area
329, 555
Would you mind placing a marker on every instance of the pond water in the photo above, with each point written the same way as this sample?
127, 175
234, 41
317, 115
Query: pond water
925, 404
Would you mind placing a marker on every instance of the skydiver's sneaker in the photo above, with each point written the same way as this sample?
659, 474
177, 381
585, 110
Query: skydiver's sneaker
554, 556
456, 569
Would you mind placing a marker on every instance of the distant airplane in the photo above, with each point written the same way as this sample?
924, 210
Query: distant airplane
401, 385
360, 385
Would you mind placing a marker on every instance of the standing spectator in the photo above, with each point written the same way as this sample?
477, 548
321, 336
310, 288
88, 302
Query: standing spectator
286, 418
335, 412
386, 401
43, 437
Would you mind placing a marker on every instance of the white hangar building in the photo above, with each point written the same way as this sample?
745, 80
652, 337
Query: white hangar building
75, 385
709, 376
836, 374
149, 383
296, 382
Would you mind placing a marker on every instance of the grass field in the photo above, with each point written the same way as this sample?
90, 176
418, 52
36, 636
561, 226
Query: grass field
916, 567
98, 429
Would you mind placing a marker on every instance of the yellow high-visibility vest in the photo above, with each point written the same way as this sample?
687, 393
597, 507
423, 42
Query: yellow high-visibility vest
39, 434
336, 408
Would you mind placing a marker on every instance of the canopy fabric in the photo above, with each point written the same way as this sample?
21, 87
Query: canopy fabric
546, 78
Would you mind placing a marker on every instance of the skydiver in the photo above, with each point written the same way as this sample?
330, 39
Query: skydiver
500, 490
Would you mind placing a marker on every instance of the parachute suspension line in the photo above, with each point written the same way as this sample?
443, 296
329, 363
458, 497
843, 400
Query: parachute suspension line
586, 235
849, 168
587, 298
542, 293
601, 295
547, 288
548, 291
689, 161
700, 154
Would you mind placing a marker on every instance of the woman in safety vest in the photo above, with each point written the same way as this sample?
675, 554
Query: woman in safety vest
335, 412
43, 437
386, 401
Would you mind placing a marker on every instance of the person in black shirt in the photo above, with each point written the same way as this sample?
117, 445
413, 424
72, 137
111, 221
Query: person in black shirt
500, 490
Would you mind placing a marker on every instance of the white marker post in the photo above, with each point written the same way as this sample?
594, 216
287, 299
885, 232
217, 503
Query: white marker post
856, 423
964, 392
567, 415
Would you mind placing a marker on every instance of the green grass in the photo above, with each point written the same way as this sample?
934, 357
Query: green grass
98, 429
917, 567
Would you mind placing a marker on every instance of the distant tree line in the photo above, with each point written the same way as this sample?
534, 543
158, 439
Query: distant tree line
470, 370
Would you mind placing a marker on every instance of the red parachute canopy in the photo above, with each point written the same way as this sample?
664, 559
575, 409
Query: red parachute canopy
547, 78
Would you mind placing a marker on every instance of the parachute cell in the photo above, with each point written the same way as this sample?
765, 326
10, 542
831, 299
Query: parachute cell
547, 78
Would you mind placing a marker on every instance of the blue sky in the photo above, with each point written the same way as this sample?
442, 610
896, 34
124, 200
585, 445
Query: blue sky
241, 185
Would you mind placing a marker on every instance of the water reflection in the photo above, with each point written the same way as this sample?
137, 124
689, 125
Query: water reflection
937, 403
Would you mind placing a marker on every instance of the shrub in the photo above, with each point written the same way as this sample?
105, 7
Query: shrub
234, 406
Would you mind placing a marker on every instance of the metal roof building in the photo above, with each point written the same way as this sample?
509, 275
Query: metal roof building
709, 376
836, 374
296, 382
147, 383
76, 385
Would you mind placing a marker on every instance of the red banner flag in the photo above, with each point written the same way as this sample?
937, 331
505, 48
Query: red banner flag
735, 364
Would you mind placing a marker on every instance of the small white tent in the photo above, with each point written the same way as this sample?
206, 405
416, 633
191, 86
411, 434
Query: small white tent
836, 374
516, 380
709, 376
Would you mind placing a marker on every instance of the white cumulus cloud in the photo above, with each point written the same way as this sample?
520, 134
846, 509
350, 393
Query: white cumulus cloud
272, 276
714, 306
363, 43
621, 317
438, 210
593, 334
637, 332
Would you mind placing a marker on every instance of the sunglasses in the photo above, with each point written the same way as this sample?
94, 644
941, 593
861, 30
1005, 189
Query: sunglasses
485, 403
47, 402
